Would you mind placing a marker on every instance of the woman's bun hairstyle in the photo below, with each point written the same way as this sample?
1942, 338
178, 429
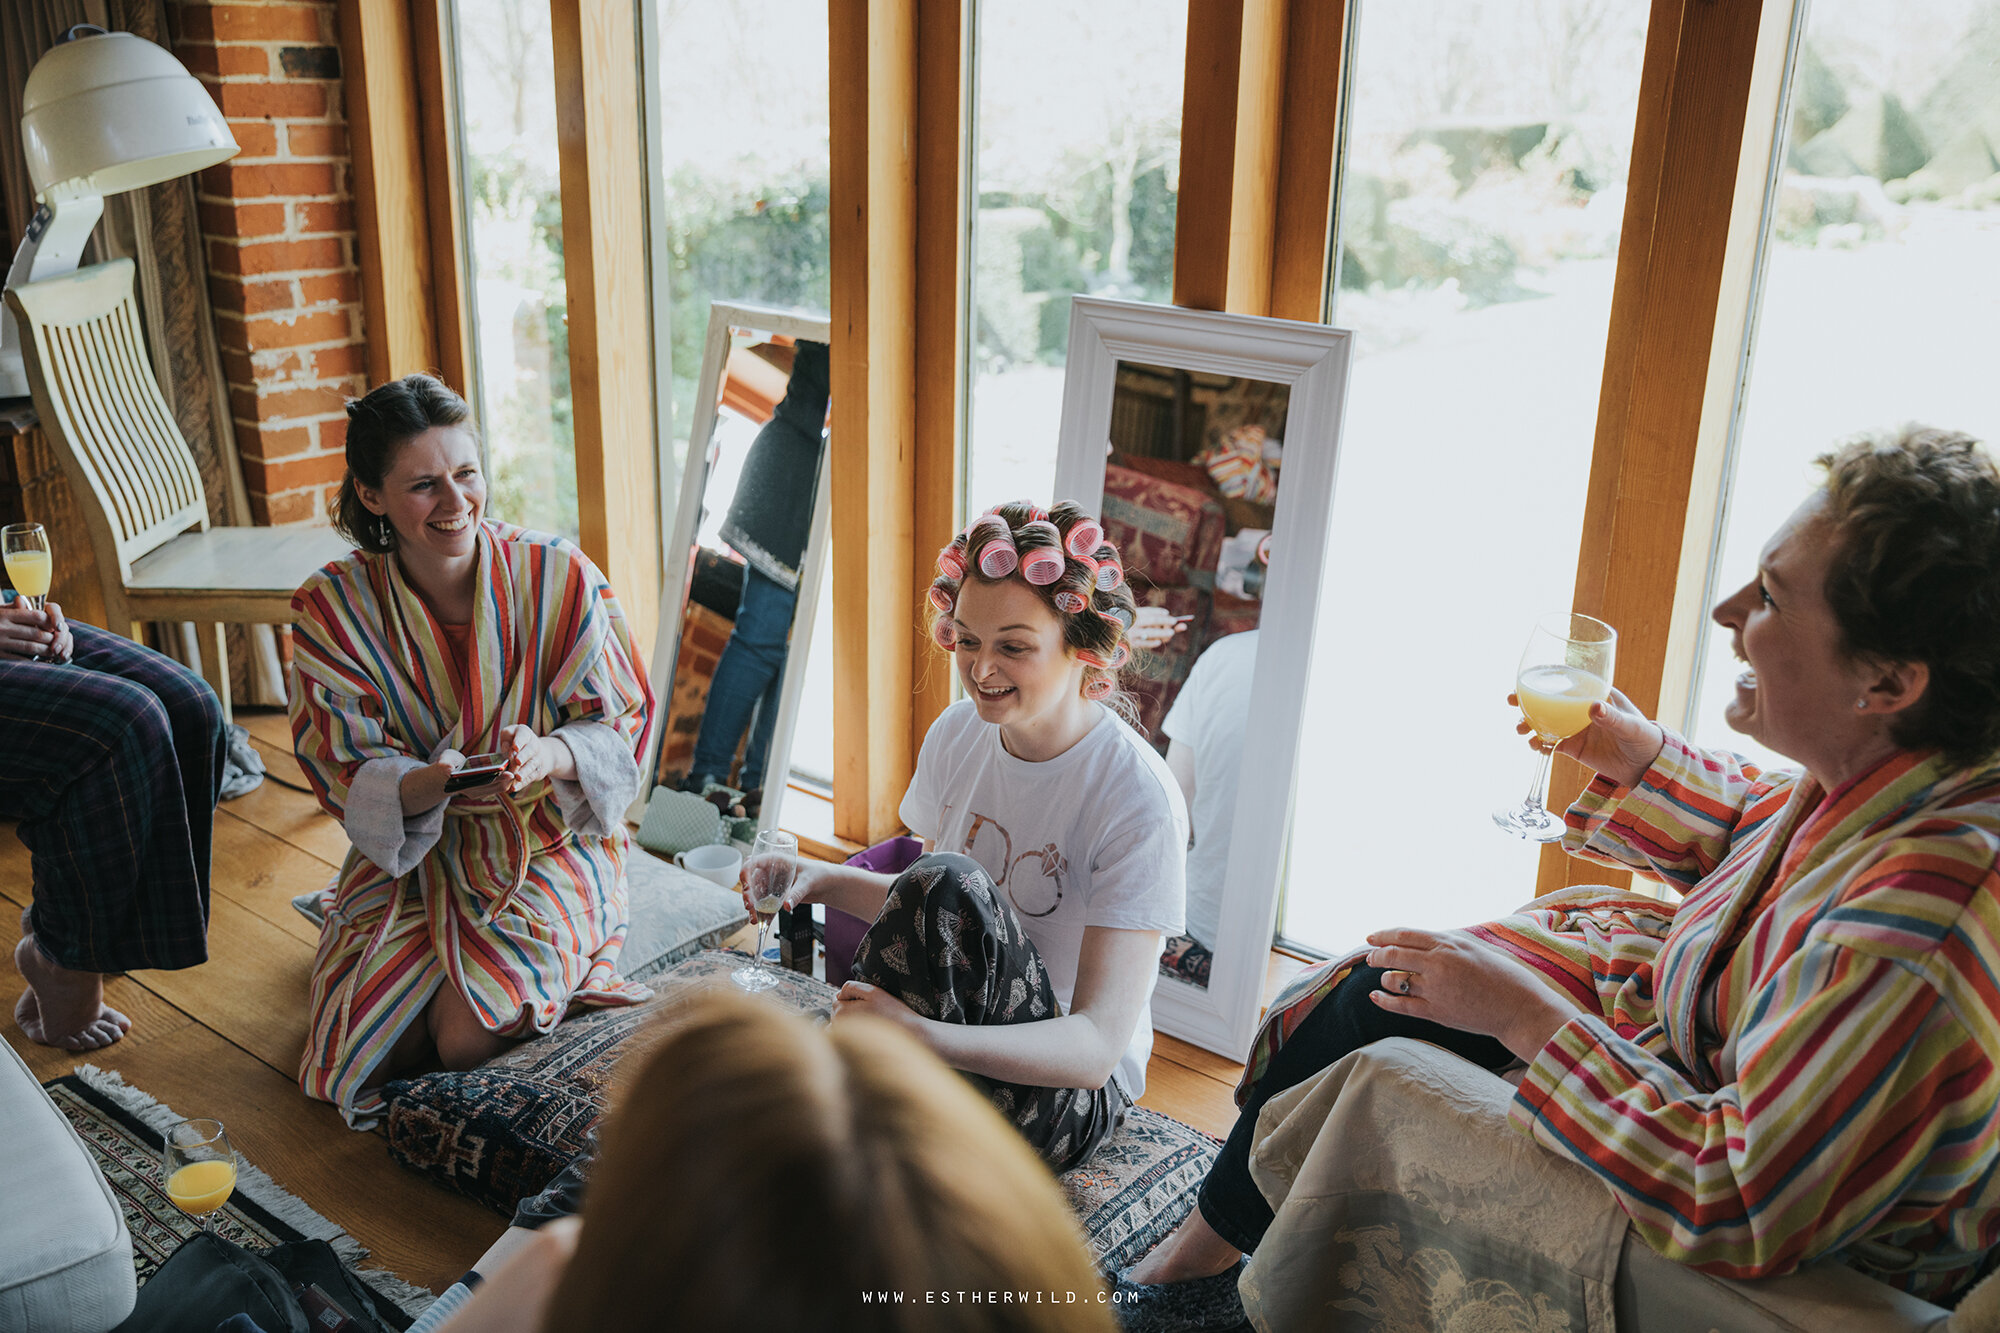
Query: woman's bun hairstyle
1061, 554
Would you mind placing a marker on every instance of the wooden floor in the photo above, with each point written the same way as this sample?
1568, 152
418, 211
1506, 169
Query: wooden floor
223, 1039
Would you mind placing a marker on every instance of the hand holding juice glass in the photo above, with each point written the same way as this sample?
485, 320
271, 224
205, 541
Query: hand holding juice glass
1565, 670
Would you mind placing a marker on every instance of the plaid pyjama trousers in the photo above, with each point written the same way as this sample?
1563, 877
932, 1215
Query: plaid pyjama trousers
112, 763
950, 947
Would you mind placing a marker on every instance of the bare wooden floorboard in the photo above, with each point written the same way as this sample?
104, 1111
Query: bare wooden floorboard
269, 725
283, 812
1190, 1097
262, 873
1195, 1058
252, 989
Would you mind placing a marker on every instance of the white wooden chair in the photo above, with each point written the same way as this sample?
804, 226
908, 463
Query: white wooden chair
135, 479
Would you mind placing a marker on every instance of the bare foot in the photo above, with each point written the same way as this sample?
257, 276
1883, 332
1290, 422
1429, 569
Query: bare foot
64, 1008
1192, 1251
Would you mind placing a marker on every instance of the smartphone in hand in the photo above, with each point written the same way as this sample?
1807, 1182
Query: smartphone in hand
476, 771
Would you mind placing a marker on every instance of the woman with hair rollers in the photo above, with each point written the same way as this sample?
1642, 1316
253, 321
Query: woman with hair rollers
1024, 945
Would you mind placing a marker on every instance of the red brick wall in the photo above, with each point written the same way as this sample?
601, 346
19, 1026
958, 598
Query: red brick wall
279, 224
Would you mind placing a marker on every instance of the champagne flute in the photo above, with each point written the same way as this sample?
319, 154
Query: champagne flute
1565, 668
24, 547
777, 880
199, 1166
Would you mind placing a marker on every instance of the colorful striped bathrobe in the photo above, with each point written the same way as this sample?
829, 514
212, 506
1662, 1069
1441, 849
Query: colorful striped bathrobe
1800, 1058
516, 902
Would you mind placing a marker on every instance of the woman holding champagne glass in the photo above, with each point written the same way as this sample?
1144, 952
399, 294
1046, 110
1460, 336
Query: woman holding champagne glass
111, 758
1023, 947
1799, 1057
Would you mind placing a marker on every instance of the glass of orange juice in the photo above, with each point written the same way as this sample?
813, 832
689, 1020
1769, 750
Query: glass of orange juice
24, 549
200, 1168
1564, 670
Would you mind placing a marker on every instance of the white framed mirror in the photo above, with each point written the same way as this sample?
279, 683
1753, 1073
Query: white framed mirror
745, 557
1209, 445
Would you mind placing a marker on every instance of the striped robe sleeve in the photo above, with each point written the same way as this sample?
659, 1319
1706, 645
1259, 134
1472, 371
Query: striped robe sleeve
605, 704
354, 763
1859, 1099
1676, 823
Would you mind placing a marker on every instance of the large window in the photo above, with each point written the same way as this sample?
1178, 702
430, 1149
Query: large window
513, 205
1483, 186
744, 166
1077, 121
1881, 275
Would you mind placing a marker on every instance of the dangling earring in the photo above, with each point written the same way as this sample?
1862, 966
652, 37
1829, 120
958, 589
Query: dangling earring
387, 534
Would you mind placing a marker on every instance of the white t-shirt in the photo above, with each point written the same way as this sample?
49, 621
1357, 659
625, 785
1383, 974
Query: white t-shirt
1093, 837
1208, 716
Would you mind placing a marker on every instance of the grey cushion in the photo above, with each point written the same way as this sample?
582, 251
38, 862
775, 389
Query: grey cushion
65, 1261
675, 915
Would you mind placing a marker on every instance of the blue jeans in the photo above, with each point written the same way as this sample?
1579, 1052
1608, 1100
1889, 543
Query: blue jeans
747, 680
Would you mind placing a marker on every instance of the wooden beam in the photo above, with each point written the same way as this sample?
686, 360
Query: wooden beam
1208, 154
603, 175
1302, 228
872, 114
942, 118
1253, 224
1691, 218
437, 84
379, 78
1260, 105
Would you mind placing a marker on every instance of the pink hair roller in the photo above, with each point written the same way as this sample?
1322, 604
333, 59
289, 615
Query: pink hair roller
1097, 689
1070, 603
1044, 564
943, 634
1090, 567
951, 564
941, 599
999, 558
1089, 658
1084, 536
1109, 574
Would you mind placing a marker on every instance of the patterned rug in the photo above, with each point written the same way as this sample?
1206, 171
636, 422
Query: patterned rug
122, 1127
498, 1133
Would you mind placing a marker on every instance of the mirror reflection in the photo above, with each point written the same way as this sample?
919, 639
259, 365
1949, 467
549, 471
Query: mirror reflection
1190, 491
758, 484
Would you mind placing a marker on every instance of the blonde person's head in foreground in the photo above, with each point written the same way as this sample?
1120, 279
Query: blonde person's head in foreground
759, 1172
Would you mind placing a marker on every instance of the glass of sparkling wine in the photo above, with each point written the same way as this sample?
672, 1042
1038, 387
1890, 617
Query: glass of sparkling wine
24, 547
200, 1168
1565, 669
779, 854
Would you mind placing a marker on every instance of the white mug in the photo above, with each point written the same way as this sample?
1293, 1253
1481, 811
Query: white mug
716, 863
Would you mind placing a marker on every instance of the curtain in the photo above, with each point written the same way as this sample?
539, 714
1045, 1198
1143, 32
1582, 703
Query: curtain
158, 228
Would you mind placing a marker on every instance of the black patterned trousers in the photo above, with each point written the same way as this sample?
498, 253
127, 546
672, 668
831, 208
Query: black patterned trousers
113, 764
951, 948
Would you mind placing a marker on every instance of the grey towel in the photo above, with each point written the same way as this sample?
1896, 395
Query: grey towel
242, 767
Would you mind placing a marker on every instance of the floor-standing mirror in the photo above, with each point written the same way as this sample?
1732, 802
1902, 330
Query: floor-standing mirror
1208, 442
746, 557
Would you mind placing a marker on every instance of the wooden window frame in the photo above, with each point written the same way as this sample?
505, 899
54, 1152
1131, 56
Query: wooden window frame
1254, 234
397, 65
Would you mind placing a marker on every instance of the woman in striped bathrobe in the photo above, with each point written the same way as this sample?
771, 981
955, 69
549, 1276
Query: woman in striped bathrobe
1801, 1056
463, 920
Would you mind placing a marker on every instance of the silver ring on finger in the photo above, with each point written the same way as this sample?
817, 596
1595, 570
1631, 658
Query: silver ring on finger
1404, 987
